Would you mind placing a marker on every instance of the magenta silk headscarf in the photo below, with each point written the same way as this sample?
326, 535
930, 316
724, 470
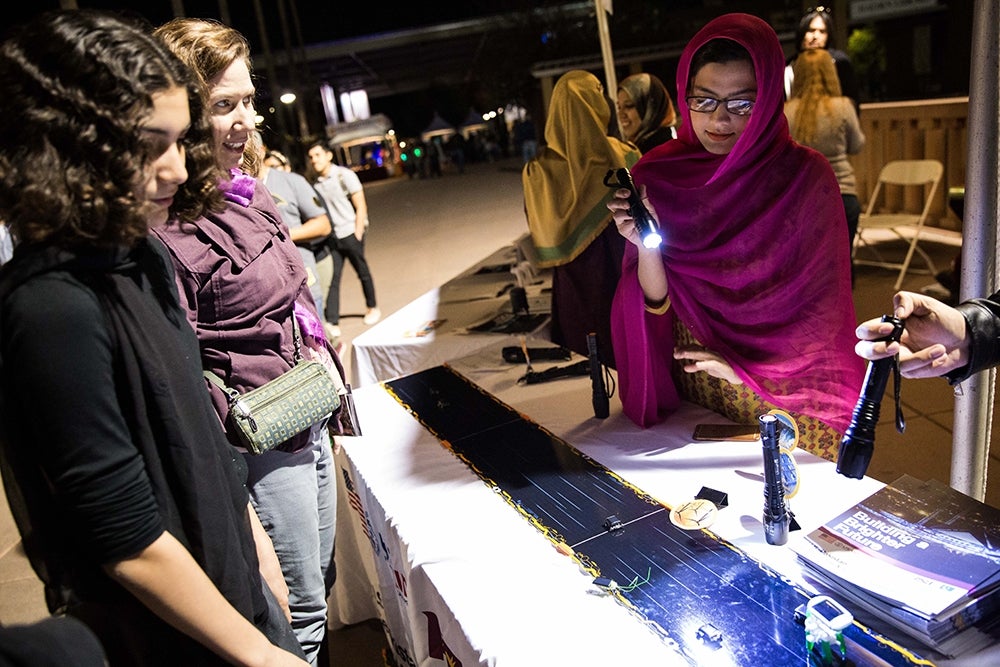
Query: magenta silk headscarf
754, 250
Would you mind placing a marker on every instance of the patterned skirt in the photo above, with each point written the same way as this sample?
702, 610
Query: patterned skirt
742, 405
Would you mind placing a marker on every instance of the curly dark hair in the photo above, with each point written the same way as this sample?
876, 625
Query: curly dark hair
74, 88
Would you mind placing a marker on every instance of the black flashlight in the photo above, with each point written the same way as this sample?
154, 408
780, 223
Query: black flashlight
858, 443
645, 224
599, 390
776, 516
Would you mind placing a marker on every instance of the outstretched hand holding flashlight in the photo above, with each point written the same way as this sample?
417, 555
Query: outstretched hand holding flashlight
935, 341
922, 338
858, 443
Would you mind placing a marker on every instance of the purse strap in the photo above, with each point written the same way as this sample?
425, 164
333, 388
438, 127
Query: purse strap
235, 395
217, 381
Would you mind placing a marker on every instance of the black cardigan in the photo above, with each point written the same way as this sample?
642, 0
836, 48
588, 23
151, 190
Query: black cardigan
109, 438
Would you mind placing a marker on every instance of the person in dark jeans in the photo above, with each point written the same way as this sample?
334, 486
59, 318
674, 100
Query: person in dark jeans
344, 198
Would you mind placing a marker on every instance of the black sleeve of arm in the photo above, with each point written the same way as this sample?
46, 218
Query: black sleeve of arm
58, 352
982, 320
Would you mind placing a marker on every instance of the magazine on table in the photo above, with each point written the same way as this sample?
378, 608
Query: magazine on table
972, 627
920, 546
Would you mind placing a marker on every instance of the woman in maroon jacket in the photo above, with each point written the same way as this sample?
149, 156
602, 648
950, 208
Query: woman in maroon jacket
242, 282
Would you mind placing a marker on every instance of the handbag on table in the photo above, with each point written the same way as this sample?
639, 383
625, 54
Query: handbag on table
296, 400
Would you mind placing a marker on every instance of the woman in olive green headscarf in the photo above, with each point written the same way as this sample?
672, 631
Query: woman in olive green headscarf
565, 196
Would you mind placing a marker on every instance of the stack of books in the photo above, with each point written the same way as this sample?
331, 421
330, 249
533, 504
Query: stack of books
919, 555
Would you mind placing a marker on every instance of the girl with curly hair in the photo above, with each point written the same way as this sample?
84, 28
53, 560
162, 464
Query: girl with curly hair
132, 508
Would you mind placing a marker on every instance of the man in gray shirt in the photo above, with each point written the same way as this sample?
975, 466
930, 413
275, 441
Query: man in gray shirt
345, 203
303, 212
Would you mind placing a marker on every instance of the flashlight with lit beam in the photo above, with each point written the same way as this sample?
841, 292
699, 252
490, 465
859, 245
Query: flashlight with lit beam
645, 223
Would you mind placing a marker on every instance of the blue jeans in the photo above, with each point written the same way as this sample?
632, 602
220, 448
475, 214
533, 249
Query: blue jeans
295, 496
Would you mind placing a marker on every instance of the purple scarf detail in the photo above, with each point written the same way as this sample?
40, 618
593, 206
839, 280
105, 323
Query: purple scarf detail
315, 346
239, 189
757, 267
310, 326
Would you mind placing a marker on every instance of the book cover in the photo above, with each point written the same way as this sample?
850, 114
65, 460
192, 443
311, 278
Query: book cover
919, 545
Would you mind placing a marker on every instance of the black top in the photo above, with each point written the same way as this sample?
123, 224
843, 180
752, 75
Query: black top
982, 320
659, 136
109, 437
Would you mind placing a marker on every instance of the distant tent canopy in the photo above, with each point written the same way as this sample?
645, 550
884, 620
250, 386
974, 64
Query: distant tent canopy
438, 127
373, 129
367, 146
473, 123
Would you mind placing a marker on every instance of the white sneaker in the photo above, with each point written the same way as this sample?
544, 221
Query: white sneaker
372, 316
332, 332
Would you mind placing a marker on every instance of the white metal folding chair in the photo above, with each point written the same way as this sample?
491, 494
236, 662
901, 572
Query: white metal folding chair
907, 226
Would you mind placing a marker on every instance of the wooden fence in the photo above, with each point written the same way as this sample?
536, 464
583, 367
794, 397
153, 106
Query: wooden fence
919, 129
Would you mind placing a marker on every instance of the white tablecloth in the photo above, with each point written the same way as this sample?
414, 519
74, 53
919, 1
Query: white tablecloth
454, 572
445, 550
434, 328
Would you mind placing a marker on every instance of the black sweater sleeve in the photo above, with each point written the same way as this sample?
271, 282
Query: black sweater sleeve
59, 381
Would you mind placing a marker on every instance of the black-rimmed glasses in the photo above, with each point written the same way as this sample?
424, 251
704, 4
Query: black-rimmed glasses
735, 106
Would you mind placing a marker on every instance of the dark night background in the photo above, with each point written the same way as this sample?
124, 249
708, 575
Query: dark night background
498, 73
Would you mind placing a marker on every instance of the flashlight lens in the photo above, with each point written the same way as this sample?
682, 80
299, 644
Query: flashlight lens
652, 240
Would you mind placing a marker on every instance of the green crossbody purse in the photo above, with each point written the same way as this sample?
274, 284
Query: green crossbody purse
287, 405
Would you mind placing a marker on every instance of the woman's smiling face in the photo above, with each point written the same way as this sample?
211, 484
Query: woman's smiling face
232, 113
718, 130
628, 115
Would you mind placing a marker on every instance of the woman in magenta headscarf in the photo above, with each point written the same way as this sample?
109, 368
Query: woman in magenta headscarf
747, 305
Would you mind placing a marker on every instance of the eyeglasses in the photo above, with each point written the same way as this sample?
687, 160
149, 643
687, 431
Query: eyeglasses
819, 10
737, 107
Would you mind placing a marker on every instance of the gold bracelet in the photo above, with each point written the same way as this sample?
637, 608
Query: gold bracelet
658, 309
